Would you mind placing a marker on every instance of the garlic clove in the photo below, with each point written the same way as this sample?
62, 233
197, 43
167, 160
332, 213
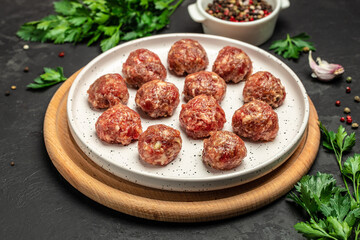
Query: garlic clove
323, 70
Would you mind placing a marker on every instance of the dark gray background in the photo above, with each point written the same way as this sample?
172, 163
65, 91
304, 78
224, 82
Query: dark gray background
36, 202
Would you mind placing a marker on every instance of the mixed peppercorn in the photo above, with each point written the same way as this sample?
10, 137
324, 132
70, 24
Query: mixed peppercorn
347, 110
239, 10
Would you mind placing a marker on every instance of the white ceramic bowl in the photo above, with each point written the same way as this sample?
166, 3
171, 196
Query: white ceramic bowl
255, 32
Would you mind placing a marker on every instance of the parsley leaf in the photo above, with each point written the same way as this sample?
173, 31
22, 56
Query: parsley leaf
107, 21
339, 142
314, 191
351, 170
312, 230
334, 212
329, 208
49, 78
291, 47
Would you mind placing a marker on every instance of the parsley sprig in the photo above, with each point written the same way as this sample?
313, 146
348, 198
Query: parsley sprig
109, 21
339, 143
291, 47
48, 78
334, 211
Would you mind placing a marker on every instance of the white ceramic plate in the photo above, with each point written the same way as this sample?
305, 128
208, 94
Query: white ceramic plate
187, 172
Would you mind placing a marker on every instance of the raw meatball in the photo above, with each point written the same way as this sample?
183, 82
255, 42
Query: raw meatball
266, 87
232, 64
203, 82
187, 56
159, 144
201, 116
256, 121
158, 98
119, 124
143, 66
223, 150
107, 91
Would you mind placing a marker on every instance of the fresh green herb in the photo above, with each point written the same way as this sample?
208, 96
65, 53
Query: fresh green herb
110, 21
291, 47
339, 143
334, 212
49, 78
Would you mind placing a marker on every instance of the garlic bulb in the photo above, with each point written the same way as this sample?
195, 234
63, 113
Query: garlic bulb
323, 70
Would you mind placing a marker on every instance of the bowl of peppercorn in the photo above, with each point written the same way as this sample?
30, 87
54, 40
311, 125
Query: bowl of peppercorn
251, 21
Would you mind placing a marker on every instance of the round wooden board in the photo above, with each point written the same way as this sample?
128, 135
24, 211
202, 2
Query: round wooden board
121, 195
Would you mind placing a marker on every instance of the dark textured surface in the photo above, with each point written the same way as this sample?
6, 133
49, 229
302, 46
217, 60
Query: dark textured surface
37, 203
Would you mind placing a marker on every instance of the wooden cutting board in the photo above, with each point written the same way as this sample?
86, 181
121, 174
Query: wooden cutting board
121, 195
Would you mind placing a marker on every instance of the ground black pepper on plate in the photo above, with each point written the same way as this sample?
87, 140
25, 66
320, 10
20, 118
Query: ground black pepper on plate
239, 10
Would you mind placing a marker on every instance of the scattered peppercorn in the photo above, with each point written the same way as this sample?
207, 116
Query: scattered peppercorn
26, 47
61, 54
337, 103
26, 69
348, 90
306, 49
354, 125
347, 110
12, 164
7, 93
342, 119
357, 99
13, 87
348, 79
348, 119
239, 11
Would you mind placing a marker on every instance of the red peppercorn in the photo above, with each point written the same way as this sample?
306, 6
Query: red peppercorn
348, 89
348, 120
337, 103
342, 119
61, 54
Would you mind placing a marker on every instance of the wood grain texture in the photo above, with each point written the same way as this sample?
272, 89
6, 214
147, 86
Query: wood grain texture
121, 195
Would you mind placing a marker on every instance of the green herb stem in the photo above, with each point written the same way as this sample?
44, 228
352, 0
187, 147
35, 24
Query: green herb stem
339, 158
357, 192
356, 189
288, 40
175, 6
